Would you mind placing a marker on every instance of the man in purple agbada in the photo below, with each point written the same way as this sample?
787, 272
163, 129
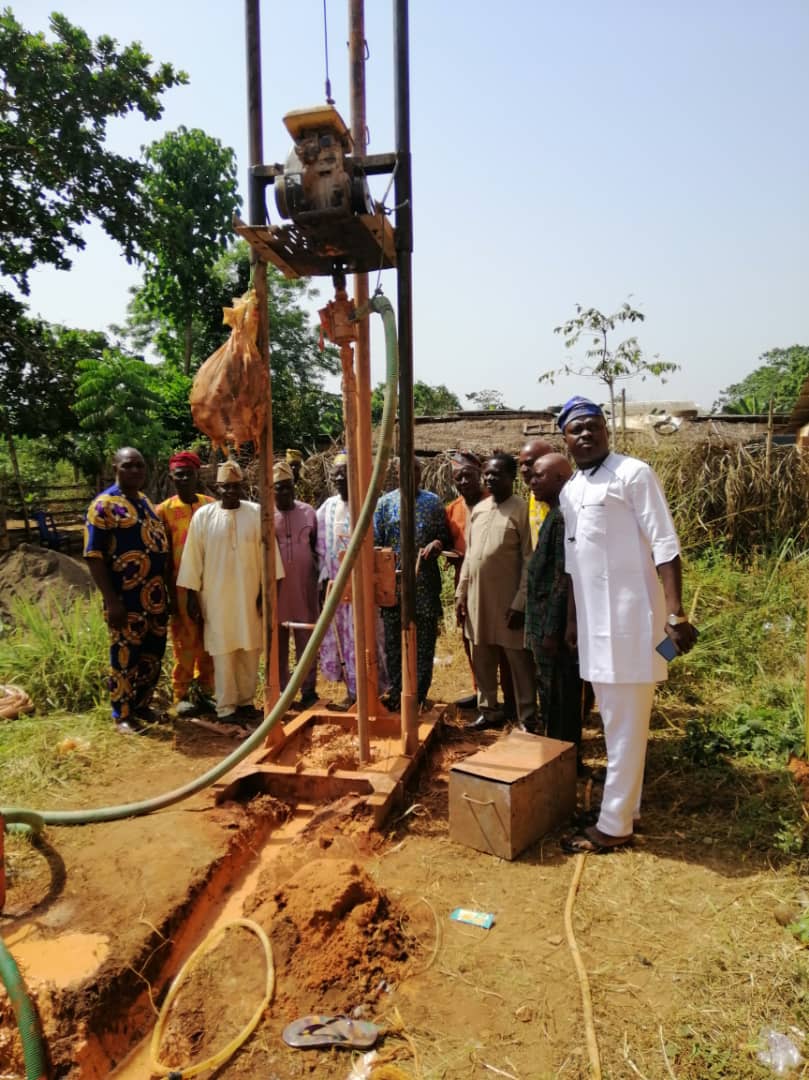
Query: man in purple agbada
296, 533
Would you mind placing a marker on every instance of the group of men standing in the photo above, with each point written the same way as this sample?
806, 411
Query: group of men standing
569, 593
578, 593
190, 566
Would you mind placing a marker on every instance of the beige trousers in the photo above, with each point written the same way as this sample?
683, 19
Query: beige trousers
236, 677
485, 662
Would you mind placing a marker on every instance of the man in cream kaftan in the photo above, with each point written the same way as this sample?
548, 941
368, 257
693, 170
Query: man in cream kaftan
490, 598
221, 566
620, 545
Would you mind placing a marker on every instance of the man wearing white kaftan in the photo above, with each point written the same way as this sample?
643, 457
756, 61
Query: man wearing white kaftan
222, 564
490, 598
620, 544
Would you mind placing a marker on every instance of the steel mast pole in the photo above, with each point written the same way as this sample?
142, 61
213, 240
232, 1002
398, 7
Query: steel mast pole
404, 281
365, 614
258, 216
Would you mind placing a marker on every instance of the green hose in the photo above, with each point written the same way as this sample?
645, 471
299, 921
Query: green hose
33, 1047
37, 818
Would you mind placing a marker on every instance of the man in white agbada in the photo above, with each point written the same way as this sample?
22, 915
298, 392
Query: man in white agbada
623, 558
221, 568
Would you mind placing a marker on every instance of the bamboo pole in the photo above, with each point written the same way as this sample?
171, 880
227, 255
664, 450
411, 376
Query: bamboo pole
15, 468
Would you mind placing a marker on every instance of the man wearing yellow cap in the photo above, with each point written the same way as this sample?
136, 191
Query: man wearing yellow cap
296, 533
221, 569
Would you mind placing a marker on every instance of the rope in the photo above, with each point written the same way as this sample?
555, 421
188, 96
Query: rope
581, 971
13, 701
329, 98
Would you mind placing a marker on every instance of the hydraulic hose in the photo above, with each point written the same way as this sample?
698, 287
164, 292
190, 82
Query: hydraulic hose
33, 1046
37, 818
223, 1055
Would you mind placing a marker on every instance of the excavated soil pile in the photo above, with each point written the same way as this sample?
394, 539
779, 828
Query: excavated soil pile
330, 746
337, 939
338, 947
41, 576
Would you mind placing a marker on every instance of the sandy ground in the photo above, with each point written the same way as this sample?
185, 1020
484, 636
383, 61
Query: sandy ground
676, 934
681, 936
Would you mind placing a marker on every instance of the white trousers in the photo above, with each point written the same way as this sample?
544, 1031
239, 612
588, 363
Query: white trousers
625, 711
235, 679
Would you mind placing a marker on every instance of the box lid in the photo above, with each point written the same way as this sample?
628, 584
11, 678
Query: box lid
512, 757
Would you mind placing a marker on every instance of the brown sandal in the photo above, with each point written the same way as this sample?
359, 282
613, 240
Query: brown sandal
582, 843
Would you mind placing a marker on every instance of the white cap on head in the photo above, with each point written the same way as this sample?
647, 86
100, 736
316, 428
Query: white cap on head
229, 472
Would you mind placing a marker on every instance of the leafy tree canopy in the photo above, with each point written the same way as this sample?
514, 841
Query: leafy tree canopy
190, 192
56, 99
779, 378
490, 400
609, 365
427, 400
118, 403
38, 362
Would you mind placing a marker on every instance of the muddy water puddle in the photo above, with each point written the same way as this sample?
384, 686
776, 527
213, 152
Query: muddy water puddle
62, 961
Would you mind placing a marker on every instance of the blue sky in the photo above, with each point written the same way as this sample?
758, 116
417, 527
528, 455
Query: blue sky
563, 153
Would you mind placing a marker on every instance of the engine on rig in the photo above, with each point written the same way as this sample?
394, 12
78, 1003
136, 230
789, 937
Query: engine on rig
321, 180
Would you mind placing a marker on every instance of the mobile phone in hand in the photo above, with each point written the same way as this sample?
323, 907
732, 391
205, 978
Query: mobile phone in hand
668, 650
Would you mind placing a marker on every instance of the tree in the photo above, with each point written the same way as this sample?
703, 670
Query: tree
779, 378
489, 400
56, 98
190, 192
118, 404
625, 361
427, 400
38, 363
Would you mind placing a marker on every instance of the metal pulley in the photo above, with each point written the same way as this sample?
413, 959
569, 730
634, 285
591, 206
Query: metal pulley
321, 181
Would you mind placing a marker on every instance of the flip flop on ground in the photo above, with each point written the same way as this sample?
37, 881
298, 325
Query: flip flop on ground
593, 842
314, 1031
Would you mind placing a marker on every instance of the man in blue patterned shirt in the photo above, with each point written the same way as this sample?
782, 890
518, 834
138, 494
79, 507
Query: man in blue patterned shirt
432, 537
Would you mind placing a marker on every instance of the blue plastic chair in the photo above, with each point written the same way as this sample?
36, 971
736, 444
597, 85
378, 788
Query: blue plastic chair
49, 535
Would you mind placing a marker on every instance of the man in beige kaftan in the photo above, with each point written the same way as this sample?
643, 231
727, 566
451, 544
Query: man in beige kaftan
221, 568
490, 598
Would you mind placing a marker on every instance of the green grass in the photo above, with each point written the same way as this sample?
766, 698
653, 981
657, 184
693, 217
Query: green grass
58, 655
741, 690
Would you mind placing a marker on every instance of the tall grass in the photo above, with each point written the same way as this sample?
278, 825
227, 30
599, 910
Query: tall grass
741, 690
58, 655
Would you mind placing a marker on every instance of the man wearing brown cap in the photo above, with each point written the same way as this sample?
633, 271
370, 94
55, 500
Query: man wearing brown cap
296, 533
190, 658
221, 569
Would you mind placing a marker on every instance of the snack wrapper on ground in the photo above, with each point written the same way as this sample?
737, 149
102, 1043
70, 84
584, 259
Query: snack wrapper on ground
229, 394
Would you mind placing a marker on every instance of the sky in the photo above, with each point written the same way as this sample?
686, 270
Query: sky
593, 153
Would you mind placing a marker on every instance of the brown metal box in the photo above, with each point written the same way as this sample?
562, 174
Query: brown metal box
506, 797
